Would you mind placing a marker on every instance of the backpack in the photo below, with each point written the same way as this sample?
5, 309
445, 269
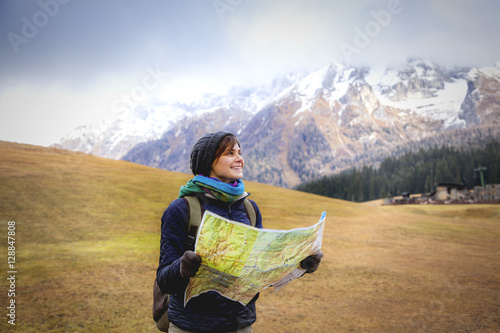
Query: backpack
195, 212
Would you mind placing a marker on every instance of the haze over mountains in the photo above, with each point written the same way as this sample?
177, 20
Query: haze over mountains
305, 125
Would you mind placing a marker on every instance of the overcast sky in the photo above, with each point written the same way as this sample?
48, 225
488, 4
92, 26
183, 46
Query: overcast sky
64, 63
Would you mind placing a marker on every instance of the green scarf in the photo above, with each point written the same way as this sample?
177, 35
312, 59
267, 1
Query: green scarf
219, 190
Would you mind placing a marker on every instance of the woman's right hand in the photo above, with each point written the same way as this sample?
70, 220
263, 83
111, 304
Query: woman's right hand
190, 262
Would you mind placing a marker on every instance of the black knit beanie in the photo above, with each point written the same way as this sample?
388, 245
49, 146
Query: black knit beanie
204, 150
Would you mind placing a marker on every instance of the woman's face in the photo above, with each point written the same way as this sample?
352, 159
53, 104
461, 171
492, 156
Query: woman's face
229, 166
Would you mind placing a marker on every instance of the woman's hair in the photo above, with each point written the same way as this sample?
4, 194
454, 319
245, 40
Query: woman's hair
227, 142
208, 149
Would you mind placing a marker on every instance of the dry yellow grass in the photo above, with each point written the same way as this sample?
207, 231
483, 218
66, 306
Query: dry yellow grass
87, 233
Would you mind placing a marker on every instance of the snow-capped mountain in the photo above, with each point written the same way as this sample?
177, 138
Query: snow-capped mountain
424, 88
114, 137
303, 126
482, 102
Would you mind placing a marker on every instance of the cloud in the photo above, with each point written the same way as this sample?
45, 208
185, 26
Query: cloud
34, 115
280, 35
283, 36
86, 50
86, 40
460, 33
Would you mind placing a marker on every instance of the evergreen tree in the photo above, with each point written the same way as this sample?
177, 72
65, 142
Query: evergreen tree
414, 172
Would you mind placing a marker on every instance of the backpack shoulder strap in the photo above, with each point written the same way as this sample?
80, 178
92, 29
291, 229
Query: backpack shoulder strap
252, 215
195, 213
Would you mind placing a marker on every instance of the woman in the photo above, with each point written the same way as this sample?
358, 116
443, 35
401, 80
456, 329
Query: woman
217, 164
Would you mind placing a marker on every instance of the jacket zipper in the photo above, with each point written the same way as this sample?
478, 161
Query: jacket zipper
229, 210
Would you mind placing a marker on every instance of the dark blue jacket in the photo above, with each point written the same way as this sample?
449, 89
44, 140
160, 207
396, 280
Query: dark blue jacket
209, 312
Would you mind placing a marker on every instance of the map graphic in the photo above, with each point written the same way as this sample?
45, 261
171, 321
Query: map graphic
239, 261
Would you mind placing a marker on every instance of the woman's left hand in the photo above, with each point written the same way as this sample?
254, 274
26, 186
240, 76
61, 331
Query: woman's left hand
311, 263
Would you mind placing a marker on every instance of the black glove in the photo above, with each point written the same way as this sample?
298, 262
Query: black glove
311, 263
190, 262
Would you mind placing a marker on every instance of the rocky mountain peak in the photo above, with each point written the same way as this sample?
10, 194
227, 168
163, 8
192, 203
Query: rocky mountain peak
305, 125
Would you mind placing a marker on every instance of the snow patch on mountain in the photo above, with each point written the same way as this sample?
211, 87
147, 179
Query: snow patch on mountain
445, 105
423, 88
330, 82
308, 89
114, 136
491, 72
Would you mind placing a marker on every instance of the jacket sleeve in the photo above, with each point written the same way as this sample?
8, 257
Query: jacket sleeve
172, 247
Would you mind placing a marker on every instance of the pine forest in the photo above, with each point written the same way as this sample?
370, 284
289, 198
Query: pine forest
413, 172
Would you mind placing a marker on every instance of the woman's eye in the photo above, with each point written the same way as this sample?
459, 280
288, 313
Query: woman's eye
232, 152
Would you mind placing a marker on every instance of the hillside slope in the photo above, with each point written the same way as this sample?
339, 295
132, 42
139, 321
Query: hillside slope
87, 236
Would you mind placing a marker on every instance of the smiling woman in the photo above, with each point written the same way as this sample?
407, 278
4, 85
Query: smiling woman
217, 164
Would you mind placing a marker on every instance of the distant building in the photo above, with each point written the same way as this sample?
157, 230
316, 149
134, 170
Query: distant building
487, 193
450, 191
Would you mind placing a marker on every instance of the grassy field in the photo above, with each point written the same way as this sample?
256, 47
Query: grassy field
87, 238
